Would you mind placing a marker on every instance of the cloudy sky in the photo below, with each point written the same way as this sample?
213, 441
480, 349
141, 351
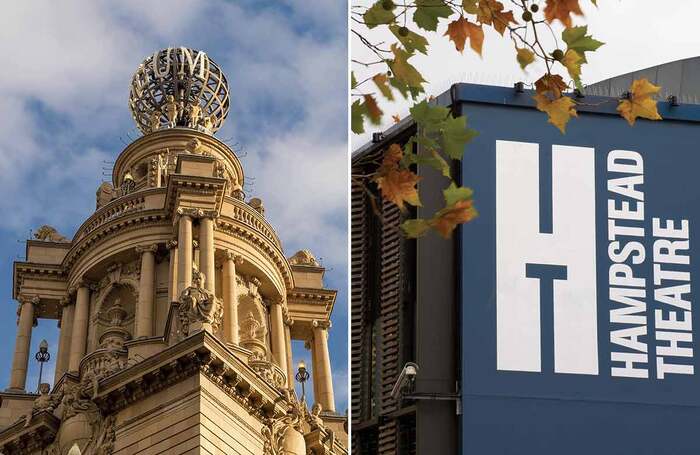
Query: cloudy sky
638, 34
64, 91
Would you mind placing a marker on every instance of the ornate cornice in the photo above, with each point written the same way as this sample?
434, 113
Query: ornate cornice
18, 438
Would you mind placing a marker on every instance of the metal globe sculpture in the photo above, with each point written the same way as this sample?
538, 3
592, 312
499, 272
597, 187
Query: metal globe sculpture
179, 87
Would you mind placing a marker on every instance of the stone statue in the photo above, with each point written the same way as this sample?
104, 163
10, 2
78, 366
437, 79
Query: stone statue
44, 402
195, 115
304, 257
154, 121
104, 195
251, 326
171, 110
314, 418
257, 204
194, 146
49, 234
199, 305
208, 123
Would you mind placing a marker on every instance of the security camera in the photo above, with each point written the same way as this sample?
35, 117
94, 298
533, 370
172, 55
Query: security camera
405, 380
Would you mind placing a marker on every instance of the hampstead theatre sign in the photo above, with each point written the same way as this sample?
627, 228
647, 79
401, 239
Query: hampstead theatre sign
548, 259
577, 276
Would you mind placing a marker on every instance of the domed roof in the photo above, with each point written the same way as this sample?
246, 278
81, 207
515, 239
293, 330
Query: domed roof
179, 86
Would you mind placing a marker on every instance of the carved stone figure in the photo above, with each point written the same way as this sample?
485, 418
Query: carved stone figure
304, 257
257, 204
49, 234
171, 110
195, 115
154, 121
283, 436
207, 123
104, 195
314, 418
194, 146
199, 305
44, 402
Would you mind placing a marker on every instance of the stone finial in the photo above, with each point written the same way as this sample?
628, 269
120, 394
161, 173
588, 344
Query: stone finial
304, 257
48, 233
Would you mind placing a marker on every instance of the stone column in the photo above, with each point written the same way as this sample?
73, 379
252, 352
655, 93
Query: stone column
184, 252
64, 339
80, 327
290, 359
278, 334
230, 296
206, 252
323, 375
144, 305
20, 360
172, 272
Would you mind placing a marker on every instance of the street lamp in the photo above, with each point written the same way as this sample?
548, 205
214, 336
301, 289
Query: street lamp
302, 376
42, 356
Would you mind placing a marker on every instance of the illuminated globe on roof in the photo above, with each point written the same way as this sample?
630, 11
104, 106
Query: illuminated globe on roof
179, 87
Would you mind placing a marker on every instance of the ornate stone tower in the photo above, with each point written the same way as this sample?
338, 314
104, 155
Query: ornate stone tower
175, 301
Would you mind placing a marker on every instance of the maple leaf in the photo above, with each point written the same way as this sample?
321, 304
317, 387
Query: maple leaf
411, 41
373, 111
559, 110
525, 57
454, 194
403, 70
393, 155
396, 118
415, 228
447, 219
461, 29
640, 102
550, 84
576, 39
357, 111
380, 80
398, 186
572, 61
470, 6
429, 12
491, 13
378, 15
562, 10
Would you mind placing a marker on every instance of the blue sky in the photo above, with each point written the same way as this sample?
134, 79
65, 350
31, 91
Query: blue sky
64, 114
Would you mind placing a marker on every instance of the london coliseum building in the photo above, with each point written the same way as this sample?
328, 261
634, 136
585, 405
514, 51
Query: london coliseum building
176, 303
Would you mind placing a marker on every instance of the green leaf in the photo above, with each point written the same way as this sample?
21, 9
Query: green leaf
429, 117
353, 81
429, 12
454, 194
470, 6
576, 39
380, 80
435, 161
404, 89
454, 136
415, 228
411, 41
525, 57
404, 70
377, 15
358, 111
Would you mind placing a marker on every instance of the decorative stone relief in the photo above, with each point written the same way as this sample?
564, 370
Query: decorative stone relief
105, 194
284, 436
44, 402
48, 233
304, 257
199, 305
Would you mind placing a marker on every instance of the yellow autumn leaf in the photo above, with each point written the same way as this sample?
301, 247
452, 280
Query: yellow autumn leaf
447, 219
525, 57
380, 80
640, 102
559, 111
572, 61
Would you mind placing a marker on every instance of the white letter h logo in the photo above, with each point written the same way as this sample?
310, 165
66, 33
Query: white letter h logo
545, 259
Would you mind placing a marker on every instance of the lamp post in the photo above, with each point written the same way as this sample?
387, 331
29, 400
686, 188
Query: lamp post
302, 376
42, 357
